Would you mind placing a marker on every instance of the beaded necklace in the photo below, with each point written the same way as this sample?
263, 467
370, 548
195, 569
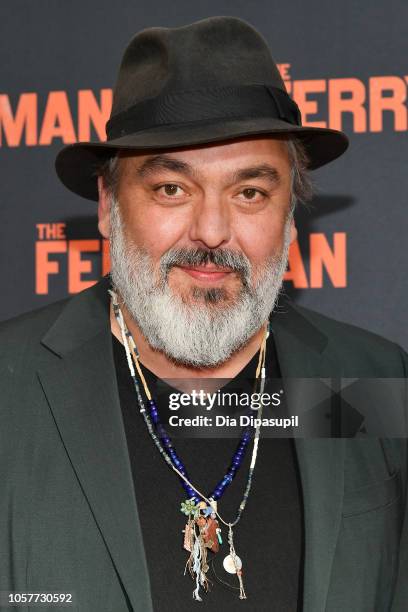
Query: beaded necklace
202, 530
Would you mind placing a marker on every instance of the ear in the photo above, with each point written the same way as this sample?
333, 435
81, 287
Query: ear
103, 210
293, 231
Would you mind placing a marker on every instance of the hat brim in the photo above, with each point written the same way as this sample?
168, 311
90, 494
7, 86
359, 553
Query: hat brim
77, 165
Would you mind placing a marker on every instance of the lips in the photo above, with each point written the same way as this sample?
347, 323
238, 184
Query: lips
206, 272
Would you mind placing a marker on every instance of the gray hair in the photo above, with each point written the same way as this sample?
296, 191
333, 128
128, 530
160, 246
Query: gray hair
301, 183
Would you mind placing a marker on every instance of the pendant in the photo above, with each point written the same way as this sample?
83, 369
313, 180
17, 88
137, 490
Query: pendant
201, 533
204, 518
188, 537
230, 566
210, 534
233, 564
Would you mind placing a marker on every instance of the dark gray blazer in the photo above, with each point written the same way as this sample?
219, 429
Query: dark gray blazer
68, 514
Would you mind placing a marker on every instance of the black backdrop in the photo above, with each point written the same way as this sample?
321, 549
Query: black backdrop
347, 68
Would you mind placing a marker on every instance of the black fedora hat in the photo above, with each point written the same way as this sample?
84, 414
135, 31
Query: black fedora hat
209, 81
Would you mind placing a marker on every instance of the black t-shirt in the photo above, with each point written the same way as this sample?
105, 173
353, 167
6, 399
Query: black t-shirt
269, 536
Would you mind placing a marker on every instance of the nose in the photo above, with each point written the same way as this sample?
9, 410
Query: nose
210, 224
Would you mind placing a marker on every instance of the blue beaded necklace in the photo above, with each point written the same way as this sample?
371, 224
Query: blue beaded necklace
202, 531
177, 462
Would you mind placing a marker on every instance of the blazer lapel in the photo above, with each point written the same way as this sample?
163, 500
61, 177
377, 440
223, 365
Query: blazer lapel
82, 393
302, 353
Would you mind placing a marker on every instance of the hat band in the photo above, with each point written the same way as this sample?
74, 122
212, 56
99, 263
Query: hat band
220, 103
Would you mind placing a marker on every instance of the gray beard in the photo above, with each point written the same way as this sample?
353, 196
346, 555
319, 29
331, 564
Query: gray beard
207, 329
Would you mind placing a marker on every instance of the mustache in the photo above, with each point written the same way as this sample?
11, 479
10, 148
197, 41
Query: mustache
224, 258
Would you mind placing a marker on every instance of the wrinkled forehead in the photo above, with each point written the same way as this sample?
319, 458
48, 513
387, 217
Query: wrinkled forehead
200, 160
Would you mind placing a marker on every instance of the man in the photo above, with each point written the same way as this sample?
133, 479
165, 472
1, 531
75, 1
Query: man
196, 184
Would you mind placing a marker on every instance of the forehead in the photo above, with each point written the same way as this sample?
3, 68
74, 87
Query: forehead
220, 156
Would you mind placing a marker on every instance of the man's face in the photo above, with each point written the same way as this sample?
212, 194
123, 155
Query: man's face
208, 222
230, 196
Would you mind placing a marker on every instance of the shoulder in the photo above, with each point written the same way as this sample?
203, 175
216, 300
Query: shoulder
21, 350
31, 325
21, 334
344, 333
353, 344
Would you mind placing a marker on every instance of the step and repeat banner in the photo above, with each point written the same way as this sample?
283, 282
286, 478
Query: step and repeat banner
346, 68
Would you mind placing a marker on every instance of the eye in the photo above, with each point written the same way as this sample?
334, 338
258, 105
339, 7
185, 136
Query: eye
250, 193
170, 189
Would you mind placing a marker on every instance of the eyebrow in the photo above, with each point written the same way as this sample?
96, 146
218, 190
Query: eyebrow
262, 171
163, 162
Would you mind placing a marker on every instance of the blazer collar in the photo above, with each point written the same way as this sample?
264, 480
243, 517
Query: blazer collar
304, 352
82, 392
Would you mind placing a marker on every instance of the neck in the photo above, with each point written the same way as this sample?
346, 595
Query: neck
163, 367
